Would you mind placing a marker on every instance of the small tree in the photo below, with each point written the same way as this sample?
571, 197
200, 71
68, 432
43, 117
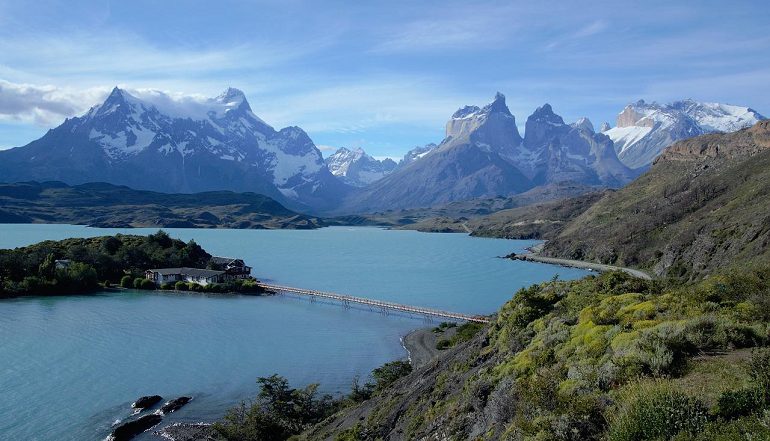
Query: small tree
138, 282
180, 286
388, 373
126, 281
47, 268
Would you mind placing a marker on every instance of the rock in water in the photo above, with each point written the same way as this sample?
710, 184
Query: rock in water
174, 404
130, 429
146, 401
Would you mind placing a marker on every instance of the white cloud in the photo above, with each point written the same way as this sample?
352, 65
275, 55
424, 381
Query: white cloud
591, 29
45, 105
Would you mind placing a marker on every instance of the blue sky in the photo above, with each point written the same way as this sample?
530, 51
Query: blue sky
384, 76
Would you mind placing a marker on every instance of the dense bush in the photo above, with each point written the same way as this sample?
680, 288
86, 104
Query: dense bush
656, 411
278, 413
755, 398
180, 286
126, 281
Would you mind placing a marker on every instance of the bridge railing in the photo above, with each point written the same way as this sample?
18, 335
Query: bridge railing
378, 303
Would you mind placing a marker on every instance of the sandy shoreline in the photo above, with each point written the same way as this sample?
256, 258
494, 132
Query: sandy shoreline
420, 344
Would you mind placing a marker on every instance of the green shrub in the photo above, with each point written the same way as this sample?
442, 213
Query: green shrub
147, 284
388, 373
747, 428
656, 410
180, 286
734, 404
107, 284
443, 344
138, 282
166, 286
126, 282
760, 369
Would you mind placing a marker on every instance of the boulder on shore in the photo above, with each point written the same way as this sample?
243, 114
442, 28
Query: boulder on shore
174, 405
146, 401
130, 429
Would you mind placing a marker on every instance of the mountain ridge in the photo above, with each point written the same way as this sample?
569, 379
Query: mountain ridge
161, 144
483, 155
643, 130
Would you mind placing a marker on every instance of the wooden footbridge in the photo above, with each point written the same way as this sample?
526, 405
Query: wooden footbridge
384, 306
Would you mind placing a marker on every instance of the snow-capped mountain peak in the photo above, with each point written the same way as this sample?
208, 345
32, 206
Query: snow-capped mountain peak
644, 129
357, 168
150, 139
584, 124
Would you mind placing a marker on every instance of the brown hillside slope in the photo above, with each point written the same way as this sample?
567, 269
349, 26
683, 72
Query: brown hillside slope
704, 204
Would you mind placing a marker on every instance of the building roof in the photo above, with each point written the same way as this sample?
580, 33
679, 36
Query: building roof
195, 272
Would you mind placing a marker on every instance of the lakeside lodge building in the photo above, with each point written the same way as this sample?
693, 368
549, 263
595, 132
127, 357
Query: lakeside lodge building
230, 269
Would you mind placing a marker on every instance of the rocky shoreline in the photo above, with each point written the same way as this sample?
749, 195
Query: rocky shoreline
187, 432
533, 255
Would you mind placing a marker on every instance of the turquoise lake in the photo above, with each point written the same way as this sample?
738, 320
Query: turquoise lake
71, 366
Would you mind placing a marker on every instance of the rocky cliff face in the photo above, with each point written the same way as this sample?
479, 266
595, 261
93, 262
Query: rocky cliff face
155, 142
644, 130
356, 168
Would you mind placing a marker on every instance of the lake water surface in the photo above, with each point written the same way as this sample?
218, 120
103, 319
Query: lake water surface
72, 365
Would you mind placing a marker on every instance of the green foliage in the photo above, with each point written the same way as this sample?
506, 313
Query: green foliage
388, 373
147, 284
32, 270
754, 428
107, 284
166, 286
737, 403
138, 282
180, 286
443, 344
465, 332
278, 412
656, 410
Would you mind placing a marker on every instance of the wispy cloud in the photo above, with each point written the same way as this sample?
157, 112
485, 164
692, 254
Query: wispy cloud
460, 26
44, 105
593, 28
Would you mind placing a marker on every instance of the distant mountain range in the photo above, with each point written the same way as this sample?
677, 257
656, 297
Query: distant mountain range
483, 155
644, 130
151, 141
157, 143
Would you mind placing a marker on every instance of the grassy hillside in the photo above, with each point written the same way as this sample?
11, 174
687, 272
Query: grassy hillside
451, 217
607, 357
106, 205
542, 220
704, 205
